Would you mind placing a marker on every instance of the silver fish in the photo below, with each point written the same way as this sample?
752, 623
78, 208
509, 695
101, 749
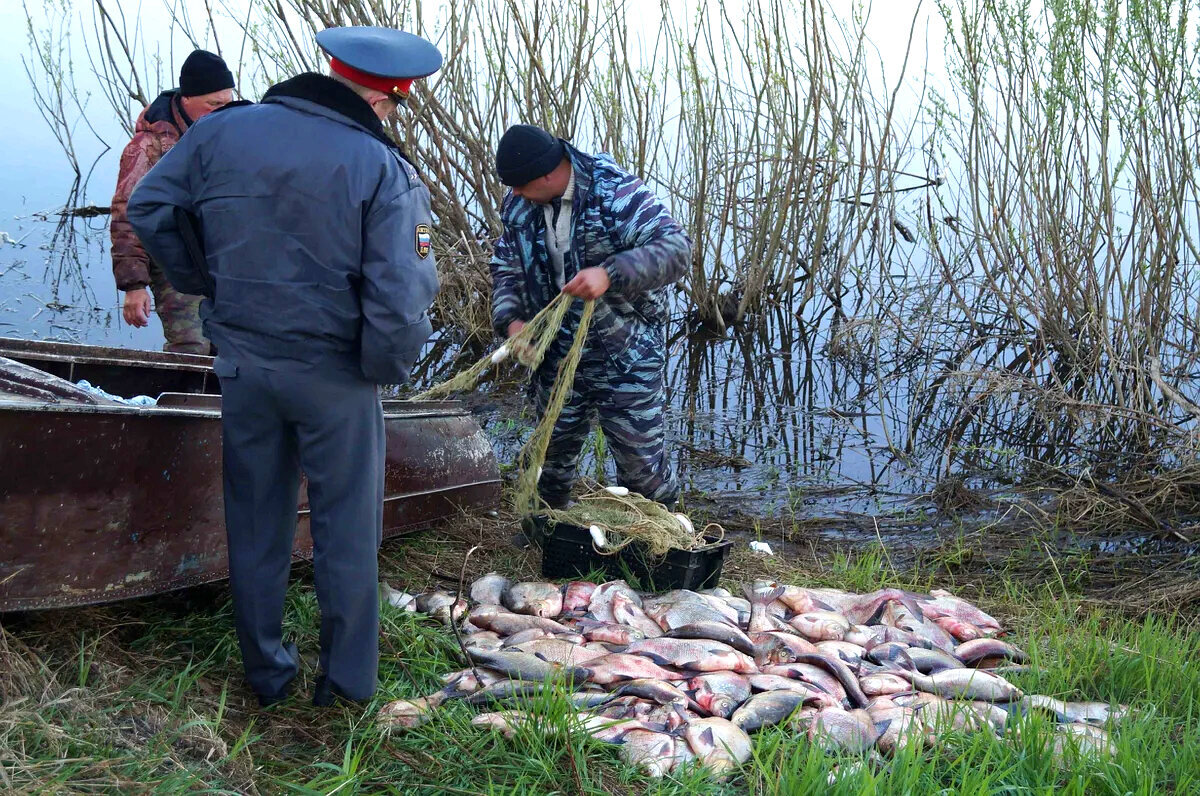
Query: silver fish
925, 660
484, 639
838, 730
535, 599
521, 691
814, 675
839, 670
505, 721
559, 651
719, 693
883, 683
656, 691
577, 595
821, 625
508, 624
850, 654
941, 603
973, 652
655, 753
618, 667
940, 715
718, 744
775, 646
1095, 713
441, 605
629, 613
1083, 740
701, 655
524, 666
769, 708
897, 726
715, 631
860, 635
760, 599
970, 684
526, 635
410, 713
608, 730
490, 588
397, 599
676, 615
600, 606
609, 632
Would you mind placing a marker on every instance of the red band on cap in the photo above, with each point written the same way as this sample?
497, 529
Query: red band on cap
388, 85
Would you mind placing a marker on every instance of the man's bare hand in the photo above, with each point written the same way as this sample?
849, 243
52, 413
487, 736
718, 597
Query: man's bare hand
136, 309
523, 352
590, 283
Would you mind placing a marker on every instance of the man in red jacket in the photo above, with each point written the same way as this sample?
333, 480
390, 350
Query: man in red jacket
205, 84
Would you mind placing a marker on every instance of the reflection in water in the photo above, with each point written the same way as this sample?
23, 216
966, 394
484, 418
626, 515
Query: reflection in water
56, 283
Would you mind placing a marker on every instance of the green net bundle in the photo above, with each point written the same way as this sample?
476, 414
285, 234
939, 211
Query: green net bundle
623, 517
628, 515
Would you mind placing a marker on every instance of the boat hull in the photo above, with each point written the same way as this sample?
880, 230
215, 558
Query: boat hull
104, 503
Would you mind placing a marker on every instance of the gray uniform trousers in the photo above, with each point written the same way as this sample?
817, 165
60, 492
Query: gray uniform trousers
273, 423
630, 408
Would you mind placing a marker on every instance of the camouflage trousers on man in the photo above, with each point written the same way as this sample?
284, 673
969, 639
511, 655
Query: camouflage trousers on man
180, 316
630, 408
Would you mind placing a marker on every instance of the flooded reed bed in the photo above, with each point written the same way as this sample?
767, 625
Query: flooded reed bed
951, 278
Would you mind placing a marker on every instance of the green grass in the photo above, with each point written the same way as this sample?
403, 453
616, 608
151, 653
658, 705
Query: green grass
148, 696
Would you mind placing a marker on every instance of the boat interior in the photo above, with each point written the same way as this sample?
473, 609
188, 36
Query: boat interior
39, 371
34, 369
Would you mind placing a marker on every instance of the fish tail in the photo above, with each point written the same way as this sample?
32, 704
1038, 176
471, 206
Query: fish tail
758, 597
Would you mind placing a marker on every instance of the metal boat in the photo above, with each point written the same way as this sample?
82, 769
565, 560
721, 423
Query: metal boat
103, 501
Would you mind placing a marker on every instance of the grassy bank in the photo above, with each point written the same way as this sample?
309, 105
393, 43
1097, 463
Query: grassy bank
147, 695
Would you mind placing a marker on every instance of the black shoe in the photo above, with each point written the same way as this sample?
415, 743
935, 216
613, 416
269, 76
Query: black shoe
326, 694
266, 700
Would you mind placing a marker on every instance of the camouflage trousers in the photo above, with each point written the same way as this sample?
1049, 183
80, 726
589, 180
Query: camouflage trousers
630, 408
180, 316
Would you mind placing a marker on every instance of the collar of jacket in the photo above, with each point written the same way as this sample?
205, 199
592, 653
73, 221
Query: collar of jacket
166, 108
183, 120
520, 212
334, 96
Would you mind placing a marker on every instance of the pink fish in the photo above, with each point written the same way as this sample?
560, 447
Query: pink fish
618, 667
577, 595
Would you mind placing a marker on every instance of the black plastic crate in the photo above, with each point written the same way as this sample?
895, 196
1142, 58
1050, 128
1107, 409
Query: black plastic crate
568, 552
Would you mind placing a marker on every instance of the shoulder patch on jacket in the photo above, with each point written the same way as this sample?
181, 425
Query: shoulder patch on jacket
422, 240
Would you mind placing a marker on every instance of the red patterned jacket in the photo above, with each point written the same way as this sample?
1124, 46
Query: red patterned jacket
158, 129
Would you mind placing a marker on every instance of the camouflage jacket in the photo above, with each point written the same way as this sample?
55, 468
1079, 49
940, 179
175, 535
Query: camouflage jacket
158, 129
618, 225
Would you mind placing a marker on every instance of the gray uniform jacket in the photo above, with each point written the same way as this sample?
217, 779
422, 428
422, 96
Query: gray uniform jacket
315, 228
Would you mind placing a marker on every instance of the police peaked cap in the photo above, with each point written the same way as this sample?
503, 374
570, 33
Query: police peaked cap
384, 59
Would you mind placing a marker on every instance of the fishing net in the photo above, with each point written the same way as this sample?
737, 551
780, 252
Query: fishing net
528, 346
628, 516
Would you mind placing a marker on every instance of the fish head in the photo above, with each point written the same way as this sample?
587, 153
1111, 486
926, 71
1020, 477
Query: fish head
721, 705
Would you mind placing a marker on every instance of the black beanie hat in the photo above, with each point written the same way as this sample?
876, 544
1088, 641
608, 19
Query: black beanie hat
203, 73
526, 153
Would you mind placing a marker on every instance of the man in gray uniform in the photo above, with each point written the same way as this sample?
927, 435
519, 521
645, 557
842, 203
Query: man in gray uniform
318, 273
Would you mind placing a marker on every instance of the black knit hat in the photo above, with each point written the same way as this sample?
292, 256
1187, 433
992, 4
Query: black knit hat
203, 73
526, 153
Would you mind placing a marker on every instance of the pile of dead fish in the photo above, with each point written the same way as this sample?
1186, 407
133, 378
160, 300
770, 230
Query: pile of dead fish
686, 675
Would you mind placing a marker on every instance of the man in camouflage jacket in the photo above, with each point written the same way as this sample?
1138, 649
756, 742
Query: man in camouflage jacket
580, 224
205, 84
